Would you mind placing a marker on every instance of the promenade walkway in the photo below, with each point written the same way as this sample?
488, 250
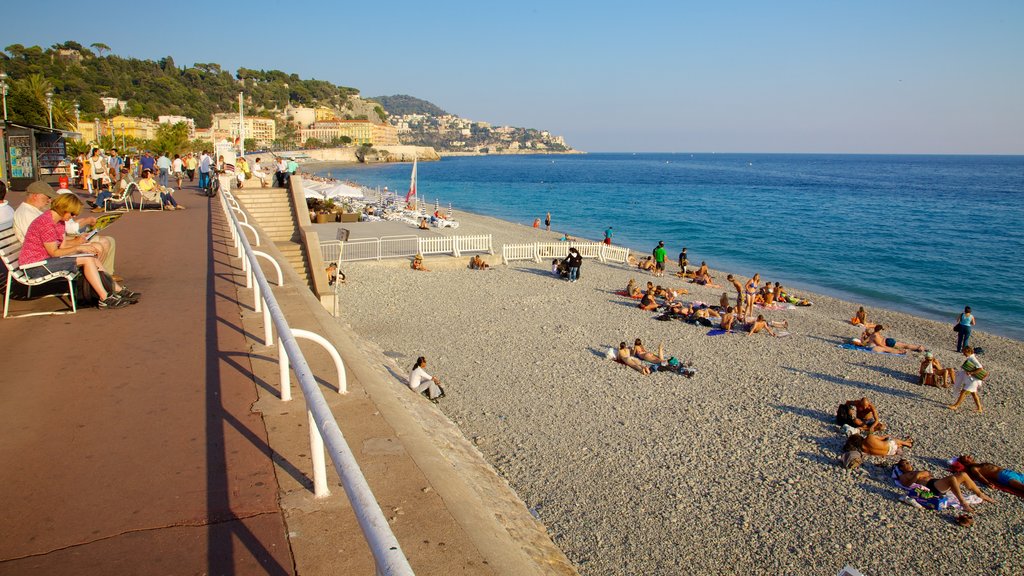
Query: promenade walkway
152, 439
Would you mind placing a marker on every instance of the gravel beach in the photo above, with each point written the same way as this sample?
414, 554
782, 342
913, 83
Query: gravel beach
732, 471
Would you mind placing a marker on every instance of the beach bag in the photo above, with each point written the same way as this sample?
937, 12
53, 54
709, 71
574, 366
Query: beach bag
851, 459
957, 328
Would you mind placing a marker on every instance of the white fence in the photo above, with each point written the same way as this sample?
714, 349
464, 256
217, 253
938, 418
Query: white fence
537, 251
403, 247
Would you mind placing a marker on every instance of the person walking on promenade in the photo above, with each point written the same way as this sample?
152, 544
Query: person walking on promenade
114, 164
424, 383
190, 166
573, 261
205, 162
963, 327
608, 235
163, 163
547, 222
659, 259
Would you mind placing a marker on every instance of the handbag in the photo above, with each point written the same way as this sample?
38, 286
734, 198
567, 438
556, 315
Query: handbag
957, 328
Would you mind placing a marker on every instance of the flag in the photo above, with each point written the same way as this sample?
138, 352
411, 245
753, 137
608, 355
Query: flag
412, 183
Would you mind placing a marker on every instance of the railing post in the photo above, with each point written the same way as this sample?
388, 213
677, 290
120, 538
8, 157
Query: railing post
536, 252
284, 369
268, 328
316, 447
455, 246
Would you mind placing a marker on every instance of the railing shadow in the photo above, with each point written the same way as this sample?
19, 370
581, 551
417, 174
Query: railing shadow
222, 535
854, 383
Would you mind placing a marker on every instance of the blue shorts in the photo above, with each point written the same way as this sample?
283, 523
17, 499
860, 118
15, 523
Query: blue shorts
51, 265
1005, 476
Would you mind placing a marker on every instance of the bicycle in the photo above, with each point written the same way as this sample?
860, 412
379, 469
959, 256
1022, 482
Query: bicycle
212, 183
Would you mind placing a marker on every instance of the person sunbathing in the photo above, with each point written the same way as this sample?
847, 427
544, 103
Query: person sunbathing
640, 352
477, 263
931, 372
624, 357
861, 319
762, 324
646, 264
417, 264
861, 414
991, 475
632, 290
768, 295
648, 302
423, 224
728, 319
873, 340
876, 445
940, 486
723, 301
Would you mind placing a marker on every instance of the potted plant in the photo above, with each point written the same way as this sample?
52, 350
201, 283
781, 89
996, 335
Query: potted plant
314, 205
324, 213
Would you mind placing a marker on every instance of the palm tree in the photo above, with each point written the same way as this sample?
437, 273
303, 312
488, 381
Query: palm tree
36, 86
64, 115
100, 47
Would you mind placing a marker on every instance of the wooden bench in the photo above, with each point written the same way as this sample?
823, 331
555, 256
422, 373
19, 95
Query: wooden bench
10, 249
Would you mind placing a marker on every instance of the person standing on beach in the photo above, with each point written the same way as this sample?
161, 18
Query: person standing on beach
750, 288
608, 235
574, 260
536, 222
659, 259
683, 262
547, 222
739, 290
964, 324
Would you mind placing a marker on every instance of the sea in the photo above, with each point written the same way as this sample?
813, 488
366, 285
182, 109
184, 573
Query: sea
921, 234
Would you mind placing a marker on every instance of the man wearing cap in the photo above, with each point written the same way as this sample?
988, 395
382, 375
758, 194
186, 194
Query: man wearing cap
37, 200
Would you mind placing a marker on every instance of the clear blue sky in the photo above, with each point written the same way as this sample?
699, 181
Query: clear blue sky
736, 76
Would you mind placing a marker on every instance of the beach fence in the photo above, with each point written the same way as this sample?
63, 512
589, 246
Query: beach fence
403, 247
537, 251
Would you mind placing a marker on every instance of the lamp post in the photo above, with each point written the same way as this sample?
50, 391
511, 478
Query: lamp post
123, 148
78, 116
49, 107
3, 88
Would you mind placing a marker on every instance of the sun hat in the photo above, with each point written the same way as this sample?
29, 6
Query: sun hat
40, 187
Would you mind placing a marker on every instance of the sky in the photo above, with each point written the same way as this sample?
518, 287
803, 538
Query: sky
914, 76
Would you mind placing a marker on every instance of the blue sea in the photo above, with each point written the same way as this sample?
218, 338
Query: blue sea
921, 234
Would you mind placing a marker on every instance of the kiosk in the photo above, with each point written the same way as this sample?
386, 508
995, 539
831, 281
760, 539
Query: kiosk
33, 153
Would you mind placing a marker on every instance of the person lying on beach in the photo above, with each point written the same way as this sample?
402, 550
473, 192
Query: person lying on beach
890, 344
877, 445
762, 324
417, 264
477, 263
623, 357
873, 340
640, 352
932, 373
990, 475
940, 486
705, 279
648, 302
632, 290
860, 414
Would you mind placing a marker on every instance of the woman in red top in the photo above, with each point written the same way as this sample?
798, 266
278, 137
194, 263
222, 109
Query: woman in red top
45, 243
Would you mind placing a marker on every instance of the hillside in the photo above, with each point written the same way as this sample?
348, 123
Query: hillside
402, 104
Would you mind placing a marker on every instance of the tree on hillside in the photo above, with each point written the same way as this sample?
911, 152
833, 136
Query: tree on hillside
100, 48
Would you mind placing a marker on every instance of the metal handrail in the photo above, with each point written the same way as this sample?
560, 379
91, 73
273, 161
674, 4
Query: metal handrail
387, 553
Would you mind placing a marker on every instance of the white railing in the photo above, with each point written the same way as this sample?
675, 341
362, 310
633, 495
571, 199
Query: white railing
323, 428
538, 251
403, 247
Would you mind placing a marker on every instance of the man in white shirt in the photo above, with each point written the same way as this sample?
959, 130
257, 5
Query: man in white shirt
37, 201
204, 169
6, 212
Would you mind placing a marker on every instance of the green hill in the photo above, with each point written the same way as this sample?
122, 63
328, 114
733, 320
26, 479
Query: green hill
401, 104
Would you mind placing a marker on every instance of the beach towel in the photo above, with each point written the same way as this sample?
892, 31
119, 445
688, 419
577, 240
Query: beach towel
777, 307
624, 293
719, 332
850, 346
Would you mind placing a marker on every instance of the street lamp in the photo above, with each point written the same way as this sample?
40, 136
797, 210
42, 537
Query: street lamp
49, 107
123, 148
78, 117
3, 88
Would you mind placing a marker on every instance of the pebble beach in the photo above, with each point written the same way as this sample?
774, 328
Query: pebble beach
733, 471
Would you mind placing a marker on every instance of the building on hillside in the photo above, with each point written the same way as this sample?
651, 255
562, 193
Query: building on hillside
111, 103
262, 130
300, 116
210, 135
118, 126
359, 131
178, 119
325, 114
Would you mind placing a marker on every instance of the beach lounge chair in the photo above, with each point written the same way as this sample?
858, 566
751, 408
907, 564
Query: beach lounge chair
121, 200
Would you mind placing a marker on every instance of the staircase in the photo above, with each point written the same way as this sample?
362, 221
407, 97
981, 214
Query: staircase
273, 210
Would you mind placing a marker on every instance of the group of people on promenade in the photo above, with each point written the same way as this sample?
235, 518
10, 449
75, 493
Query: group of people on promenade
54, 239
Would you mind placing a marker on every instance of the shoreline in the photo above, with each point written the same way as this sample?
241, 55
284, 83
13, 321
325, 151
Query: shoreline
743, 452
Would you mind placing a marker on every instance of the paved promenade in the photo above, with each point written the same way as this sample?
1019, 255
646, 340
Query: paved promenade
152, 439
